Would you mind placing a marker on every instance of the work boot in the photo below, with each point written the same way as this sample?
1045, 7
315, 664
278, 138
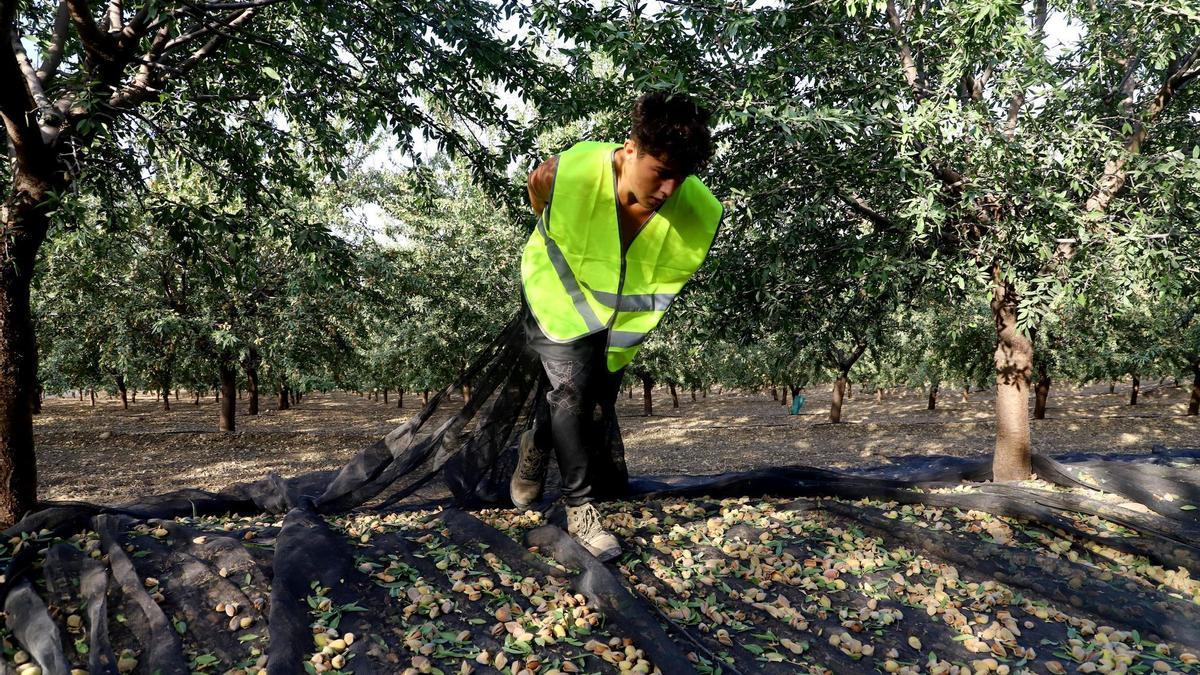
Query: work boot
583, 524
527, 481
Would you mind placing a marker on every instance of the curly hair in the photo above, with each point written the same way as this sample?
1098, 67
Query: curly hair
673, 127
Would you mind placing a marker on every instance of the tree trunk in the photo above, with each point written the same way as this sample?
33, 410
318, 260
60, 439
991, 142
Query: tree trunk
1014, 363
252, 381
704, 393
966, 393
228, 421
1194, 404
933, 393
466, 393
849, 388
399, 398
879, 394
123, 391
385, 393
37, 399
1042, 391
774, 393
177, 394
674, 396
839, 393
284, 403
693, 394
196, 400
425, 396
92, 394
630, 390
1137, 387
133, 395
1112, 387
647, 396
166, 396
783, 396
24, 228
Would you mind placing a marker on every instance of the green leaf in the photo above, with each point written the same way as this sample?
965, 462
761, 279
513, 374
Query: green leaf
271, 73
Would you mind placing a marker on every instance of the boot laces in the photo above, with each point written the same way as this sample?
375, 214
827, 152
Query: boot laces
532, 464
588, 521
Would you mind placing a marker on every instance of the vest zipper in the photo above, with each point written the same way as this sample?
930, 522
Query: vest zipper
620, 280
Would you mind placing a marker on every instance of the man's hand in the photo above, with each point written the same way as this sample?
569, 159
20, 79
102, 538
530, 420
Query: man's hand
540, 182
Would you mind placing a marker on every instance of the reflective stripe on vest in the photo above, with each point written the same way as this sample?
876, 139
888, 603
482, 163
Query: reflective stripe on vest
576, 280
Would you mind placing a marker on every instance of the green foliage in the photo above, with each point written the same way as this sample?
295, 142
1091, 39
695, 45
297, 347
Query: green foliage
867, 212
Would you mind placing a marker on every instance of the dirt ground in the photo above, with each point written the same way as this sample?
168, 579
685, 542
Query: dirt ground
106, 454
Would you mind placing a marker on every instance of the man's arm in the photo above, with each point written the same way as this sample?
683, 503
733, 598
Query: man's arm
540, 181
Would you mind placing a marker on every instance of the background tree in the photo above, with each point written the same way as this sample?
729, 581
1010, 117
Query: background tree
87, 88
962, 138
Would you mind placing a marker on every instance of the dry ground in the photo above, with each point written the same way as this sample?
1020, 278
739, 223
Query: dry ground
106, 454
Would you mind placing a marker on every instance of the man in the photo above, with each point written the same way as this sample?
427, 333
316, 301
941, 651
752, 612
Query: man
621, 229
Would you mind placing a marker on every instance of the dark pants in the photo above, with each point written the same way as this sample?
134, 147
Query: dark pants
582, 398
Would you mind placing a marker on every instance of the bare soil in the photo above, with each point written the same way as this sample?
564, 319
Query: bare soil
106, 454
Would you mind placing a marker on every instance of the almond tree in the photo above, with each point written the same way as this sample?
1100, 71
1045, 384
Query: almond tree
89, 89
979, 156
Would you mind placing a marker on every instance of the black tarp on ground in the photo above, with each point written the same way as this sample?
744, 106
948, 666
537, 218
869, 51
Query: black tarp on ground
165, 585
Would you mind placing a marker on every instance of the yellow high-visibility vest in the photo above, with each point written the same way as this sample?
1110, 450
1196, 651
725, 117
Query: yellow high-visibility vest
574, 277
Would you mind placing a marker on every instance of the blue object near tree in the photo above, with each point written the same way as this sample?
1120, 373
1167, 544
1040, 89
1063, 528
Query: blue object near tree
797, 404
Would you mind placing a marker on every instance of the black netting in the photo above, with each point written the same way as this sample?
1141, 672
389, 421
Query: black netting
359, 571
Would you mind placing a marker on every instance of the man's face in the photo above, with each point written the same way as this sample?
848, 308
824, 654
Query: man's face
651, 179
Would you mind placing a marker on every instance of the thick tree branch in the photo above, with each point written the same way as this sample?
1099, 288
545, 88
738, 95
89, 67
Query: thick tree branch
1018, 99
226, 6
114, 18
33, 85
33, 174
835, 355
96, 43
207, 27
16, 102
42, 113
144, 84
1182, 71
981, 82
58, 41
144, 81
136, 26
234, 23
858, 352
1125, 88
860, 206
911, 74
